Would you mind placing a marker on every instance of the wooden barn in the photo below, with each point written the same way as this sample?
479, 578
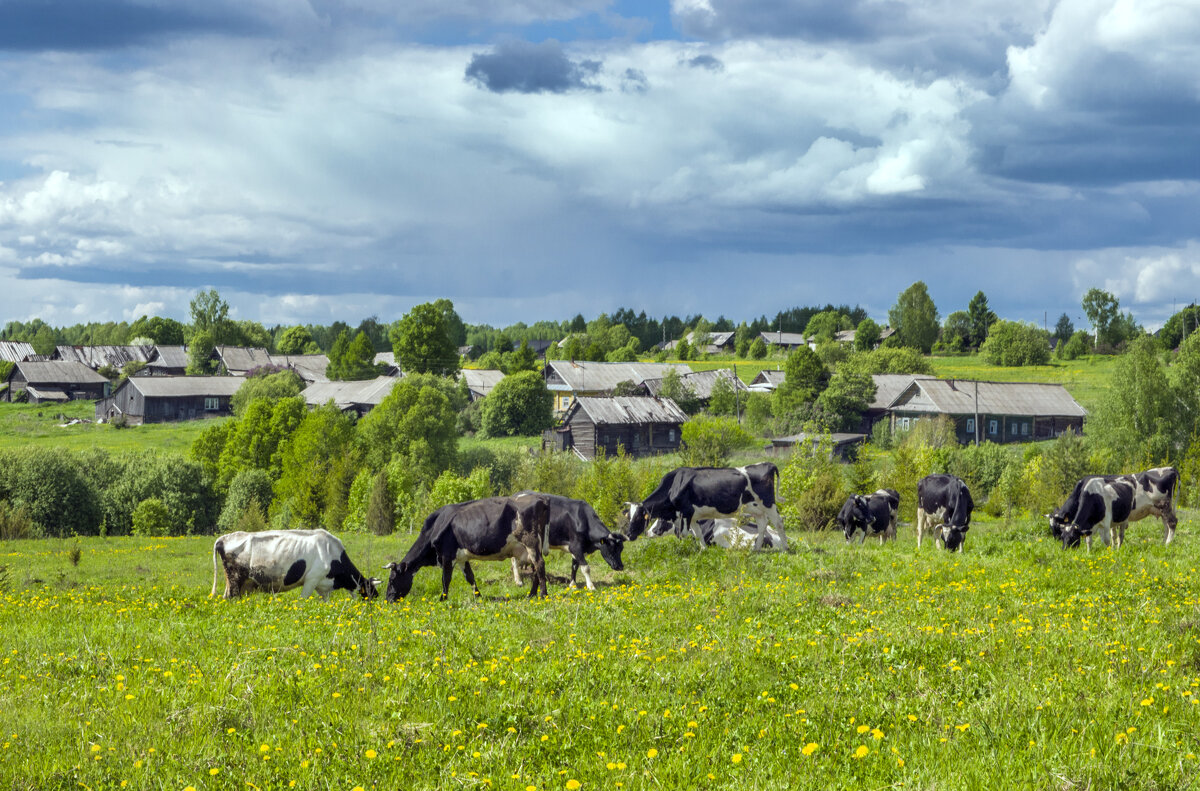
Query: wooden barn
571, 379
167, 361
165, 399
643, 426
53, 381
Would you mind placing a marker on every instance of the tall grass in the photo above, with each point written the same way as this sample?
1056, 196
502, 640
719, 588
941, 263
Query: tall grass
1011, 665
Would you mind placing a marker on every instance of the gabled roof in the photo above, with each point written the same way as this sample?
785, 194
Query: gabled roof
169, 357
348, 394
701, 382
100, 356
239, 359
628, 410
481, 380
768, 377
177, 386
57, 372
309, 367
15, 351
957, 397
590, 377
784, 338
888, 386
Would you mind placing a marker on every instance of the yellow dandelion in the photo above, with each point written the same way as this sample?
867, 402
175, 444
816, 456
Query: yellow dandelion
370, 753
573, 784
809, 748
214, 771
737, 758
861, 751
863, 728
652, 753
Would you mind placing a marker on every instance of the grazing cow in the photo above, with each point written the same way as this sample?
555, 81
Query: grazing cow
575, 528
874, 515
1150, 493
695, 493
725, 533
944, 500
279, 560
494, 528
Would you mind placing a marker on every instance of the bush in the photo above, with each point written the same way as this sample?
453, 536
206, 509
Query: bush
381, 508
519, 405
1014, 343
1075, 347
15, 522
711, 441
151, 518
811, 490
54, 489
249, 487
607, 484
552, 472
252, 519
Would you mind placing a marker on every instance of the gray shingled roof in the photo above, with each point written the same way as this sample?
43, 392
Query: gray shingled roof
701, 382
630, 410
481, 380
100, 356
957, 397
15, 351
590, 377
888, 386
239, 359
171, 386
309, 367
769, 377
784, 338
346, 394
58, 372
169, 357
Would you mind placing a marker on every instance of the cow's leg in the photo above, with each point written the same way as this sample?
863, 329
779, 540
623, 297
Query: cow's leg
539, 572
469, 575
587, 573
516, 569
447, 573
776, 521
1119, 535
1169, 522
1106, 535
921, 518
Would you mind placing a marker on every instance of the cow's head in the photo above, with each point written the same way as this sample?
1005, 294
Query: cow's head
637, 519
399, 581
610, 549
854, 516
953, 536
368, 587
1070, 535
1058, 523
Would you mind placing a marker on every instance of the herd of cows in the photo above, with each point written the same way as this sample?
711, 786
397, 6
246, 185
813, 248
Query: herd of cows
704, 501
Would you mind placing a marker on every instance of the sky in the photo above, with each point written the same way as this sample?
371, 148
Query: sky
533, 159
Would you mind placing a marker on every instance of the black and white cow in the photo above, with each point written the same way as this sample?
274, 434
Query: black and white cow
726, 533
694, 493
1125, 498
494, 528
575, 528
279, 560
944, 500
874, 514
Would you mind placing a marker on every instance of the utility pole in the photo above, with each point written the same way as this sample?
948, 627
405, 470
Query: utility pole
977, 412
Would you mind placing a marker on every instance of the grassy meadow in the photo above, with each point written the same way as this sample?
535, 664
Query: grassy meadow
45, 425
1085, 379
1013, 664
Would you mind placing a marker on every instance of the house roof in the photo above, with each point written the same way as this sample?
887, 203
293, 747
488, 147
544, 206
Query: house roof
169, 357
239, 359
591, 377
768, 377
348, 394
701, 382
176, 386
47, 394
100, 356
629, 410
57, 372
957, 397
15, 351
481, 380
309, 367
838, 439
888, 386
784, 338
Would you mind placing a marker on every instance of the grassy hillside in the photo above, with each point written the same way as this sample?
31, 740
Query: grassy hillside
44, 425
832, 666
1085, 378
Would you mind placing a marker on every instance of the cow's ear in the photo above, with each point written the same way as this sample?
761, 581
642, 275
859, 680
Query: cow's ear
390, 566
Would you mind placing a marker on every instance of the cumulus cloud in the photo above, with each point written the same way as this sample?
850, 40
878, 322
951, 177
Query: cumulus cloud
525, 67
705, 62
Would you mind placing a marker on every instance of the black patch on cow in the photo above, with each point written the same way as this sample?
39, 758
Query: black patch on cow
295, 573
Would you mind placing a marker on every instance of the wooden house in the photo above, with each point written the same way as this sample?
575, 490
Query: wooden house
766, 381
359, 397
843, 446
643, 426
237, 360
998, 412
701, 383
53, 381
570, 379
887, 388
480, 381
167, 361
309, 367
785, 340
718, 343
165, 399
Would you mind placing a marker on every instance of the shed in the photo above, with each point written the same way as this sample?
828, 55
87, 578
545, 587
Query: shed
766, 381
54, 380
165, 399
718, 343
309, 367
360, 397
642, 425
843, 449
784, 340
1007, 411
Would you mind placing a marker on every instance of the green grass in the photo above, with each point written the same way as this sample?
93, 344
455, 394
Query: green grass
42, 425
1085, 379
1013, 664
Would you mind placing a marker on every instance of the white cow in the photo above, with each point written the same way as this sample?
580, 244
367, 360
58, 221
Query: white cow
279, 560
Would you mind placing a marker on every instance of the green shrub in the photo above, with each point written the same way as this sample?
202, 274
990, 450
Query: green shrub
552, 472
710, 441
15, 522
607, 484
811, 489
151, 518
252, 519
250, 486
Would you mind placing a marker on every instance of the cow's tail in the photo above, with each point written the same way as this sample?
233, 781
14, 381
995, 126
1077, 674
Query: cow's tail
216, 554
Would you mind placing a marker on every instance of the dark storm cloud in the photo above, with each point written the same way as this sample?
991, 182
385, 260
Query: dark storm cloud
706, 62
818, 20
634, 80
31, 25
525, 67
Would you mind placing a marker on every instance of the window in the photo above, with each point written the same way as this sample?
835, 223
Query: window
671, 435
904, 423
993, 427
1024, 429
1013, 430
970, 425
211, 403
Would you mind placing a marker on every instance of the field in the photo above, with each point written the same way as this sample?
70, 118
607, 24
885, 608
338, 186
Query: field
23, 425
1011, 665
1085, 379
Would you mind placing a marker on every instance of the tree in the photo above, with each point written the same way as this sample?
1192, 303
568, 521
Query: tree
523, 359
1180, 326
297, 340
724, 399
1136, 419
758, 349
519, 405
847, 396
210, 314
1012, 343
982, 318
803, 379
866, 335
1064, 329
824, 326
683, 349
422, 343
415, 422
164, 332
957, 331
318, 465
1102, 310
915, 318
271, 386
1076, 346
200, 354
711, 441
679, 391
251, 487
352, 360
381, 508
